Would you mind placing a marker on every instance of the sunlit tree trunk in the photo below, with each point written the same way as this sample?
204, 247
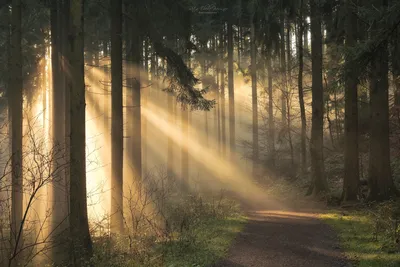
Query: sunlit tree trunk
204, 77
152, 64
222, 95
283, 70
351, 162
116, 219
239, 37
380, 179
396, 71
67, 93
15, 93
60, 208
305, 33
271, 124
301, 92
134, 56
288, 91
106, 98
253, 50
231, 89
146, 57
185, 116
319, 182
81, 249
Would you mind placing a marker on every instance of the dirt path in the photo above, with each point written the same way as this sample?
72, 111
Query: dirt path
280, 234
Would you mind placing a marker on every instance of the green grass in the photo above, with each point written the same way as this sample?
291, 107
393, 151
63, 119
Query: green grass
211, 243
356, 233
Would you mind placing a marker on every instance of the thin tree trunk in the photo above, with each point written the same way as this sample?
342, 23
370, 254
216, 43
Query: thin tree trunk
136, 49
283, 71
67, 94
271, 126
231, 89
222, 95
301, 92
253, 50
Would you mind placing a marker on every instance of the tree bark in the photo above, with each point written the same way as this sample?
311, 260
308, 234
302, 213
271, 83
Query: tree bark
134, 55
253, 50
271, 124
78, 218
116, 220
351, 162
380, 179
319, 183
231, 89
301, 92
222, 95
284, 93
60, 207
15, 93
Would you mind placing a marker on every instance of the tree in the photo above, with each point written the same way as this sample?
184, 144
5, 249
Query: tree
15, 93
59, 197
231, 88
319, 182
222, 89
271, 124
253, 56
351, 162
380, 179
81, 243
116, 219
134, 56
300, 89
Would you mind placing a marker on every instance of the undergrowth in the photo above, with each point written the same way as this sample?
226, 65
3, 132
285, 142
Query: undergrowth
165, 227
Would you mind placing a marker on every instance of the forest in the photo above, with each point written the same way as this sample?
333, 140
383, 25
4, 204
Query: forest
199, 133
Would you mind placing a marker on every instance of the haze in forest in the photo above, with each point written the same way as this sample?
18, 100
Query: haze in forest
127, 124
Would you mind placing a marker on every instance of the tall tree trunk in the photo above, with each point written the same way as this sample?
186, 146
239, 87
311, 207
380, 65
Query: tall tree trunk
67, 94
135, 57
306, 45
319, 182
222, 95
60, 207
288, 91
396, 71
284, 94
231, 89
15, 93
301, 92
351, 162
185, 115
253, 57
271, 126
81, 250
170, 149
116, 219
380, 178
203, 65
106, 98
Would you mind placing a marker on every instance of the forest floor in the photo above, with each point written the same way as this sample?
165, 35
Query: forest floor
285, 232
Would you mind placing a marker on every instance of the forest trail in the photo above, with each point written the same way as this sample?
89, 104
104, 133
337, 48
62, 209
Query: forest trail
285, 233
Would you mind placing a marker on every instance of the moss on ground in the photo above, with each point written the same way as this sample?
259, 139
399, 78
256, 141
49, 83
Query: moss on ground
356, 230
212, 240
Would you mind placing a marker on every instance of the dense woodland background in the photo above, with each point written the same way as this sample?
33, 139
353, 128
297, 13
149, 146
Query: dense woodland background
118, 115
